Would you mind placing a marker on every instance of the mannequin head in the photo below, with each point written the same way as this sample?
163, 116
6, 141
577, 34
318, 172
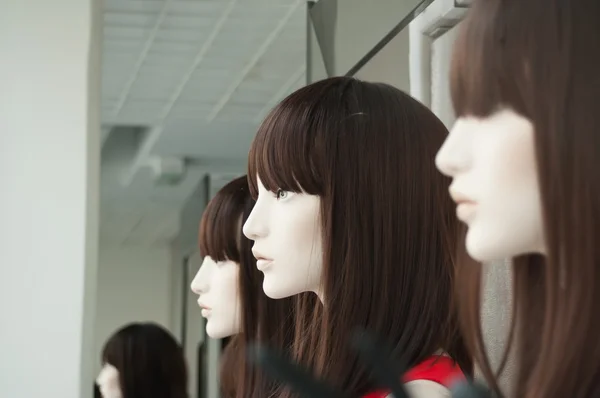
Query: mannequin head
230, 285
492, 162
142, 359
525, 88
216, 284
225, 252
286, 229
349, 207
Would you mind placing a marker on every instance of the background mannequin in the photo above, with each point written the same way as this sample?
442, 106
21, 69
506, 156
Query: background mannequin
230, 285
523, 156
142, 360
108, 382
348, 209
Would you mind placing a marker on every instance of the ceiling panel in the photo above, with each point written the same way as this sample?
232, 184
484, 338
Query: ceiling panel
202, 70
120, 46
196, 33
126, 33
127, 19
197, 8
135, 7
192, 26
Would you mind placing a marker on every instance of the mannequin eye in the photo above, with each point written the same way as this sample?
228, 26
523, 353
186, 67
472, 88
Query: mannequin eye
281, 194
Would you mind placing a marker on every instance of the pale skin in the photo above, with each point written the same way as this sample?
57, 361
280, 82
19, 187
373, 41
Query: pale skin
285, 228
492, 164
108, 382
216, 285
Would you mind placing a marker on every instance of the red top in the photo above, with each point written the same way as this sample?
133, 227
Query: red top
440, 369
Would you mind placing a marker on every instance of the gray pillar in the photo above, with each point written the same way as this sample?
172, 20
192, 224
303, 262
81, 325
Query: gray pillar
496, 314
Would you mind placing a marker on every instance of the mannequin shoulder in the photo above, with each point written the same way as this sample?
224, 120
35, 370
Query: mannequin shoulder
425, 389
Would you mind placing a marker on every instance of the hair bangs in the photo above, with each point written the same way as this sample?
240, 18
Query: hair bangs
488, 66
220, 227
287, 150
112, 351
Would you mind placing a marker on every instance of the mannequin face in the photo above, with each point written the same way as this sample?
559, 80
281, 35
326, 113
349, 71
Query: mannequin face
216, 285
108, 382
286, 231
492, 163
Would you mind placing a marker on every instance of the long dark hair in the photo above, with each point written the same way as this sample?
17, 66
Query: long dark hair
150, 362
263, 319
541, 59
389, 229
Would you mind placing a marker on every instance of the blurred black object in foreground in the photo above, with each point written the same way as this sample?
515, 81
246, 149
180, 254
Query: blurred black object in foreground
385, 370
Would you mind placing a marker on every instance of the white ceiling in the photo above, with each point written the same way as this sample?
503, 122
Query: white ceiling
197, 76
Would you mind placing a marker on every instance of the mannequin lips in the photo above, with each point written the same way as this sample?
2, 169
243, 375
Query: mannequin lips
465, 206
203, 306
460, 198
464, 211
262, 262
205, 309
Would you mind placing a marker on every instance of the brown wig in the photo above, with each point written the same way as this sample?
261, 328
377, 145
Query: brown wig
150, 362
389, 229
263, 319
541, 58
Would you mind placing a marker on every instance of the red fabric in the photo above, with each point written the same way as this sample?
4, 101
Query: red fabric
440, 369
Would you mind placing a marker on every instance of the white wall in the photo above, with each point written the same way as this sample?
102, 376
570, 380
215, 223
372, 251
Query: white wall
390, 65
49, 168
134, 284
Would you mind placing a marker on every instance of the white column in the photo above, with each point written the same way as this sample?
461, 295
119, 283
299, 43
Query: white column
49, 176
419, 62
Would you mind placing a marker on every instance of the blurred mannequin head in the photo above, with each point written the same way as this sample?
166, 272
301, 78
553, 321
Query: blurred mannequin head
108, 382
491, 161
524, 161
142, 359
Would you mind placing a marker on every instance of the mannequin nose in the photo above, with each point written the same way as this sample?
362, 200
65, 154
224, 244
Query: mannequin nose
254, 227
452, 156
443, 162
199, 284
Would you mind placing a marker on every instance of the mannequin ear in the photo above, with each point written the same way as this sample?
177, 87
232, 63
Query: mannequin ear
292, 374
375, 354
